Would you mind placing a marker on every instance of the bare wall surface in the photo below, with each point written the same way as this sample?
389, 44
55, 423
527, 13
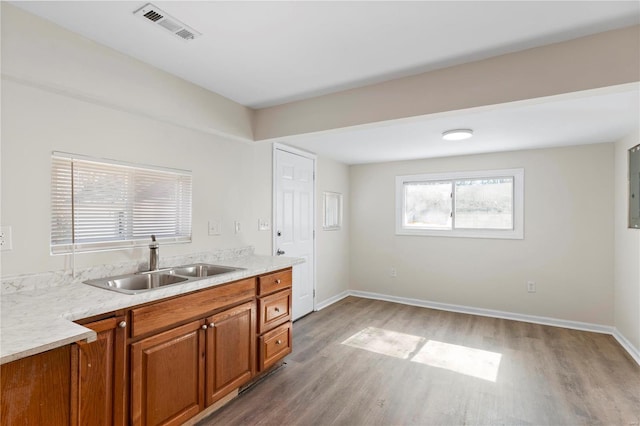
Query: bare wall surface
230, 178
332, 246
42, 54
627, 250
606, 59
567, 249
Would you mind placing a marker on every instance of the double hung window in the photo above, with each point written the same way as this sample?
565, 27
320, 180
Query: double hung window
483, 204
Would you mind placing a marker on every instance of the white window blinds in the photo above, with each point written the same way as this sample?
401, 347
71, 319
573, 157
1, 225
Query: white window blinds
105, 205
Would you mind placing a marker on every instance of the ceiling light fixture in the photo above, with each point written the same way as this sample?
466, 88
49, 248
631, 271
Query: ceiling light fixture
457, 134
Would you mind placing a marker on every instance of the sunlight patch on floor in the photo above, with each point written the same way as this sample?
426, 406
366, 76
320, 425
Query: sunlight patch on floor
460, 359
385, 342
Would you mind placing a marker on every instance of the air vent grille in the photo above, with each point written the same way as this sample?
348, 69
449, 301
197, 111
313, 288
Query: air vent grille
155, 15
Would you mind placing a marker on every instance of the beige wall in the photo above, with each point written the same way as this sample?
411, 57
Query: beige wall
627, 251
61, 92
580, 64
40, 53
231, 179
567, 249
332, 246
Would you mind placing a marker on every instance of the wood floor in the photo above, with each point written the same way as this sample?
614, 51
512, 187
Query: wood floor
545, 376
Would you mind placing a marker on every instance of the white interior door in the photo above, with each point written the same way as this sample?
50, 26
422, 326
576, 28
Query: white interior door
294, 190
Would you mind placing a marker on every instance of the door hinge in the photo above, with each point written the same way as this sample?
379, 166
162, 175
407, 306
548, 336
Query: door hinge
314, 293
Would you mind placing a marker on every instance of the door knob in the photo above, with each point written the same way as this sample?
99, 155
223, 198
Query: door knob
280, 252
279, 234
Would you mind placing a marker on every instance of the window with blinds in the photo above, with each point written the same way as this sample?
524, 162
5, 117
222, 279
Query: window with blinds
101, 204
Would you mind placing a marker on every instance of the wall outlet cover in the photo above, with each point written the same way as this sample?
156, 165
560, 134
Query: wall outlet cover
5, 238
215, 228
263, 225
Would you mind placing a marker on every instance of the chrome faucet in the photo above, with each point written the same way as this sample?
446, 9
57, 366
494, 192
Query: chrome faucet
154, 250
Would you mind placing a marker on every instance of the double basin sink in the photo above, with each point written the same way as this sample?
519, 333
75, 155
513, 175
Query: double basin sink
146, 281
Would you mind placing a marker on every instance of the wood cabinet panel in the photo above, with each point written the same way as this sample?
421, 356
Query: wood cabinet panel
190, 306
274, 346
99, 376
36, 390
167, 376
273, 282
230, 350
274, 310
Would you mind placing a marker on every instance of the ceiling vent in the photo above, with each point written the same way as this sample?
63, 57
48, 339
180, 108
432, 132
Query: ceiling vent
157, 16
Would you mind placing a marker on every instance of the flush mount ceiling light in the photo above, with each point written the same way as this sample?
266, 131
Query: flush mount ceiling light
457, 134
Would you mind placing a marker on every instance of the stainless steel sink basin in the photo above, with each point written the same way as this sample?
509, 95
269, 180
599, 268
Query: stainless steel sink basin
145, 281
201, 270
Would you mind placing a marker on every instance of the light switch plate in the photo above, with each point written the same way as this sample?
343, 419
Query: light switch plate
5, 238
214, 227
263, 225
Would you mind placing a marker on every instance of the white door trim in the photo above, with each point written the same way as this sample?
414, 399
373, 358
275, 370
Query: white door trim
292, 150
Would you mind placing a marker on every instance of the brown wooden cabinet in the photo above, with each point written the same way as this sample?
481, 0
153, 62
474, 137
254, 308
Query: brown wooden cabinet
274, 322
167, 376
99, 376
180, 367
230, 357
36, 390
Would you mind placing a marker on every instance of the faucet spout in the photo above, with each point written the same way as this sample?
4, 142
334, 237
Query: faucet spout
154, 251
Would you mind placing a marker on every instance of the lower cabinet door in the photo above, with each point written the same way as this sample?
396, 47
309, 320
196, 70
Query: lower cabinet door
230, 350
274, 345
167, 376
99, 376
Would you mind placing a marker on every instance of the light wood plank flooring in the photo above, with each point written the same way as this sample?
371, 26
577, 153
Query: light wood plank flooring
546, 375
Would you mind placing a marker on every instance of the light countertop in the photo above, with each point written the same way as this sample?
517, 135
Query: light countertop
35, 321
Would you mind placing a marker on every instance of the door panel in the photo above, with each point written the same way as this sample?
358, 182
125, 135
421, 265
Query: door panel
294, 222
168, 376
230, 350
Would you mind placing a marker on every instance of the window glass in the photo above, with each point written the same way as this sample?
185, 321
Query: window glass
484, 203
479, 204
427, 205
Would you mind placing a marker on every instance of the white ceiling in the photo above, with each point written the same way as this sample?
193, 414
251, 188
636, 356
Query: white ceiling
266, 53
596, 116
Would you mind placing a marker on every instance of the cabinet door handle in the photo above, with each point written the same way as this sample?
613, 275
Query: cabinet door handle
212, 325
278, 281
122, 324
278, 342
204, 326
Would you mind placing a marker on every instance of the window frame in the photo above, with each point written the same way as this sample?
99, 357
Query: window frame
518, 204
137, 175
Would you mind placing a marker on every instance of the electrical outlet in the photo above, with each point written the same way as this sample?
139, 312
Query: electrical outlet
393, 273
531, 286
5, 238
214, 227
237, 227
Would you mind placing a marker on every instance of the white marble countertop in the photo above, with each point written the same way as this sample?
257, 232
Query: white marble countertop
38, 320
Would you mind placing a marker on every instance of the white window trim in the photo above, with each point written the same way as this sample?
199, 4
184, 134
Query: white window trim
516, 233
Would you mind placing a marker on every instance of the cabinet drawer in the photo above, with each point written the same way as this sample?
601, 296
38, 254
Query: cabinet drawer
274, 346
274, 282
274, 310
164, 314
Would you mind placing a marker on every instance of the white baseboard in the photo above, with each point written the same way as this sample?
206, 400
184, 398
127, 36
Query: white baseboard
626, 344
330, 301
555, 322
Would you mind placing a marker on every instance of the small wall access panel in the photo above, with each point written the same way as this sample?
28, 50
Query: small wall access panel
634, 187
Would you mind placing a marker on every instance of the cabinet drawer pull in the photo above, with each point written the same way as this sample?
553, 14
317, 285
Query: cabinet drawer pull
278, 281
122, 324
276, 309
278, 342
204, 326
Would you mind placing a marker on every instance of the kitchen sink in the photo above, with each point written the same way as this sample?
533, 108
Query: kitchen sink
146, 281
201, 270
